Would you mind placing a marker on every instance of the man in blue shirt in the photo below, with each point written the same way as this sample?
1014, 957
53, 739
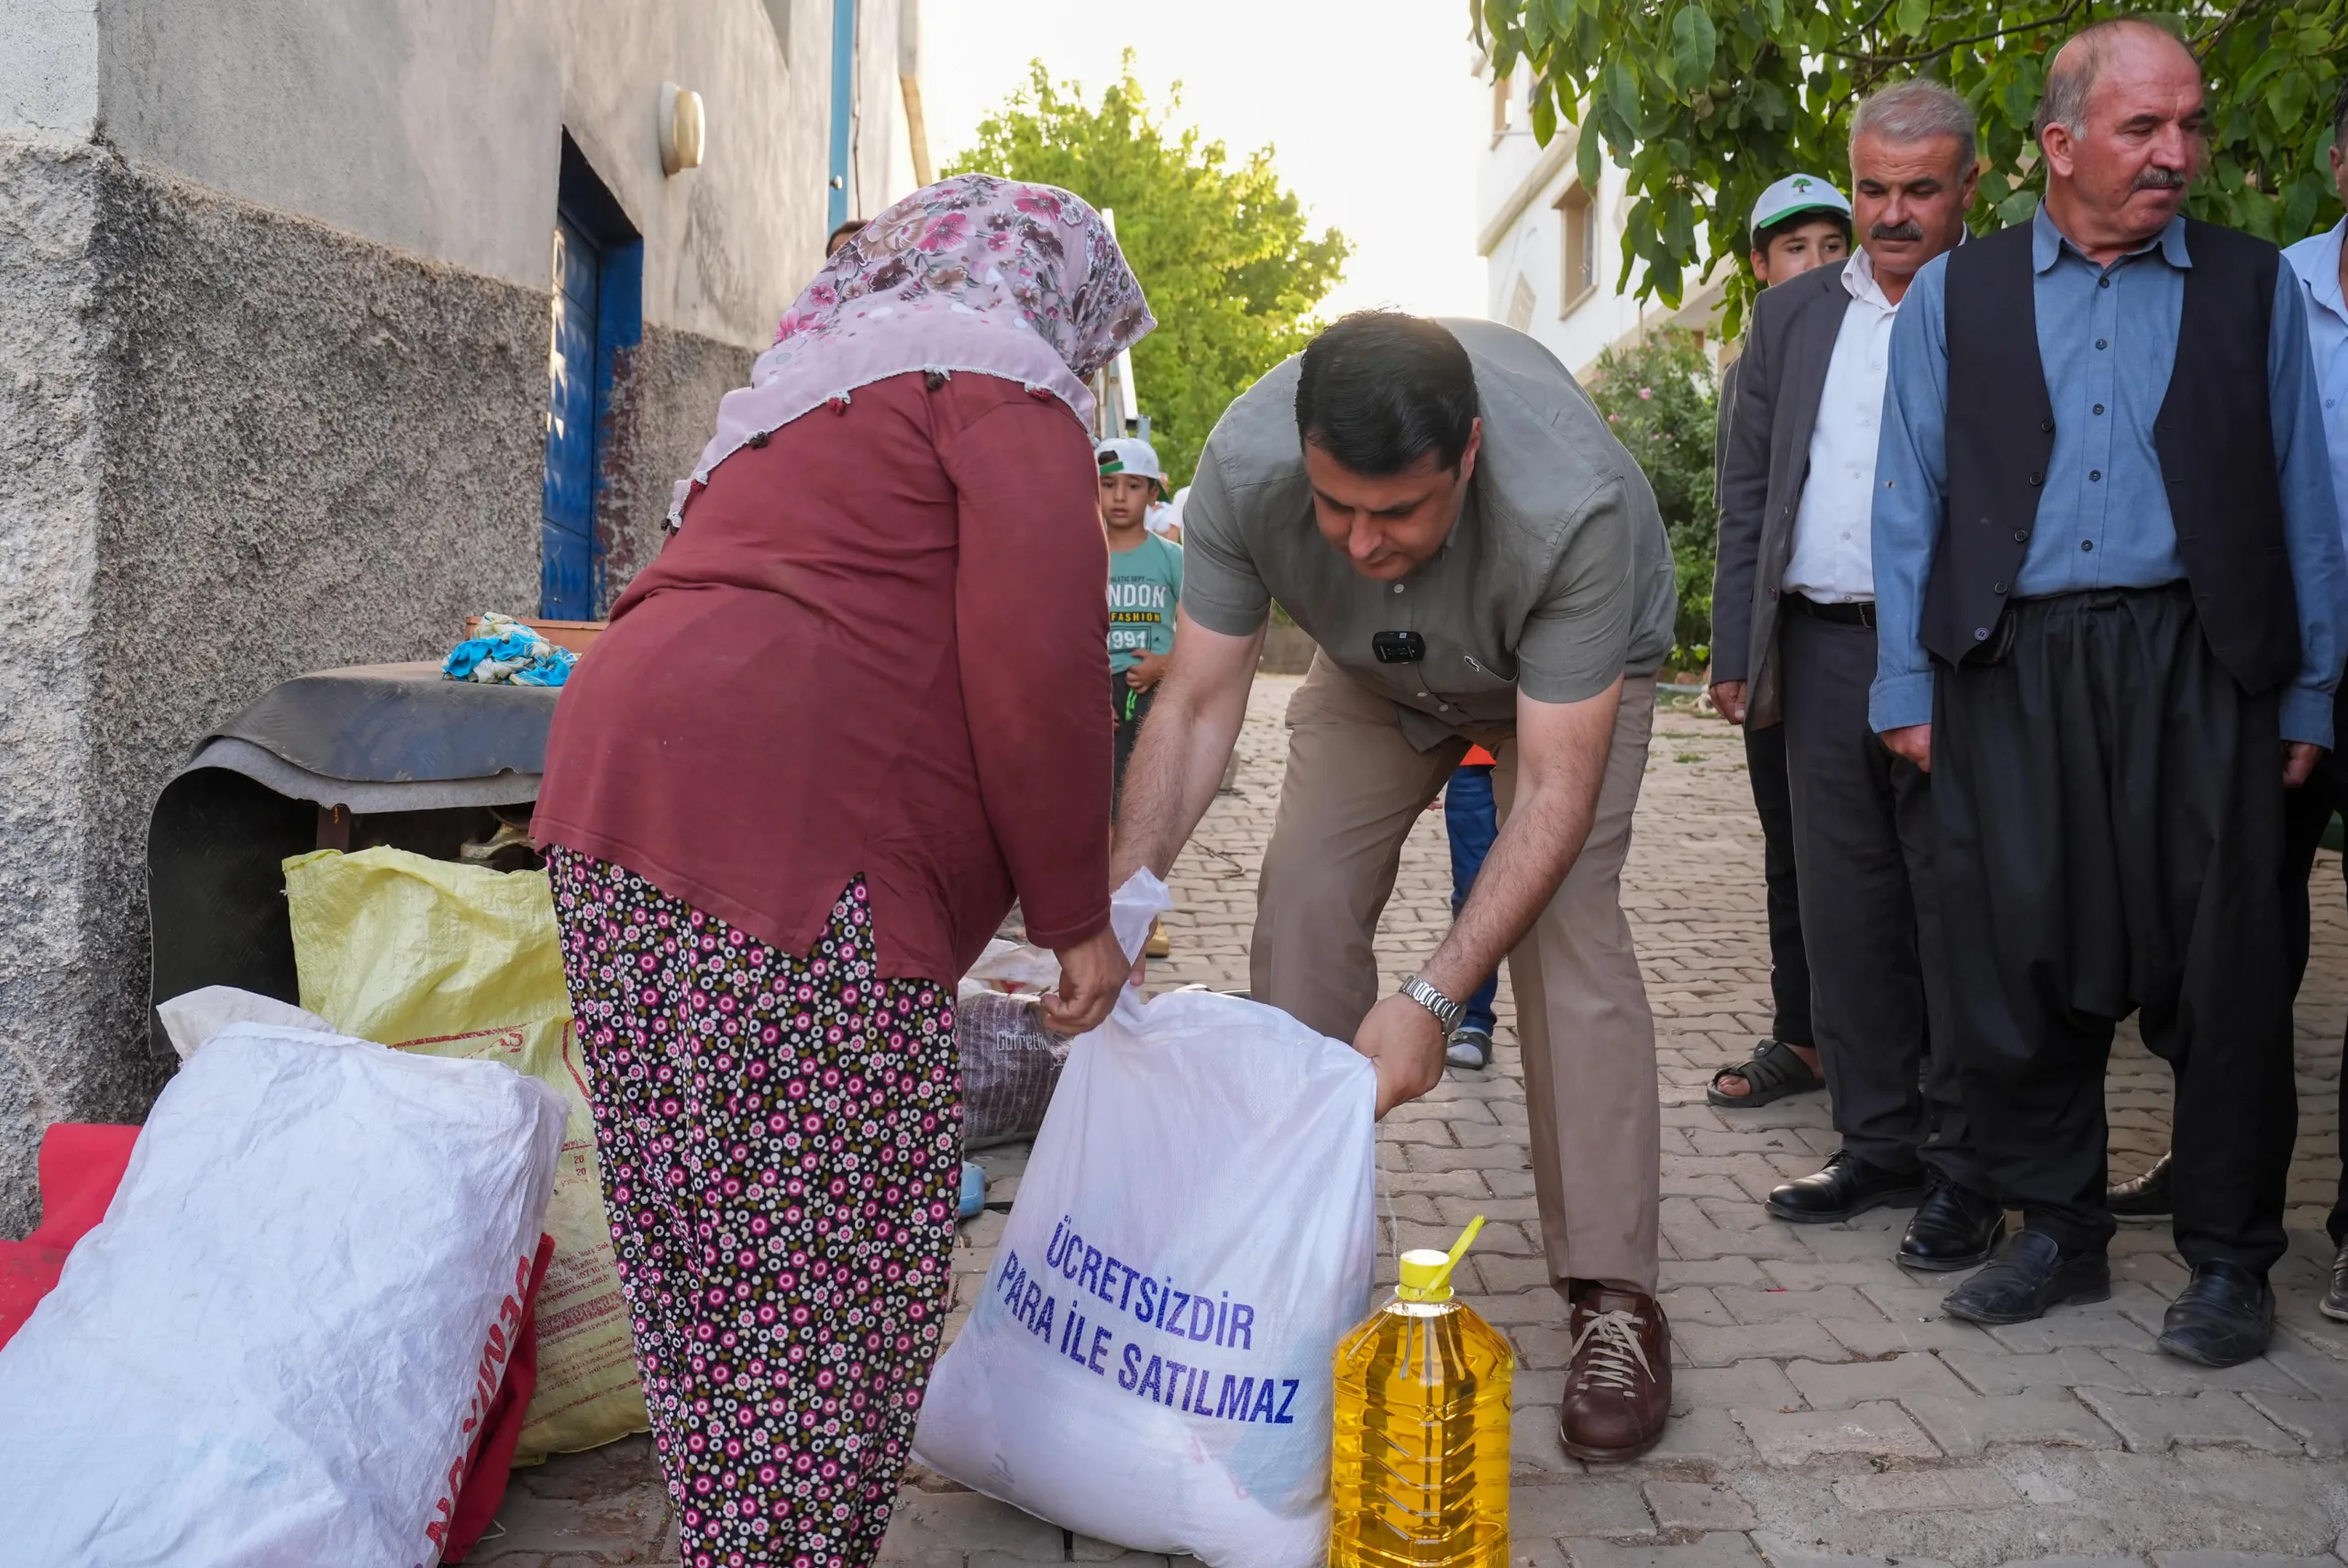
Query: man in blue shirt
2321, 267
2110, 591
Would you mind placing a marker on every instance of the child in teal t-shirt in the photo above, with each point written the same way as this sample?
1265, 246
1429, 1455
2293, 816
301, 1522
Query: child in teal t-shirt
1145, 586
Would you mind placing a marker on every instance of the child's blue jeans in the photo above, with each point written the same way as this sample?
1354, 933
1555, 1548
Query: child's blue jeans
1472, 823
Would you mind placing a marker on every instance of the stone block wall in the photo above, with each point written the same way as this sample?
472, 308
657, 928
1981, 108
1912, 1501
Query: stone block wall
50, 350
235, 445
664, 405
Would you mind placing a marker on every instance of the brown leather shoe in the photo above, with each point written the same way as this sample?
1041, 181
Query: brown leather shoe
1618, 1390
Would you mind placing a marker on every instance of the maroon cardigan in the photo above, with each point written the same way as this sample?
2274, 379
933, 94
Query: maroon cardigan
879, 648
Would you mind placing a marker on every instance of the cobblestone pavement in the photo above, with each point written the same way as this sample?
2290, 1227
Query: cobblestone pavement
1824, 1412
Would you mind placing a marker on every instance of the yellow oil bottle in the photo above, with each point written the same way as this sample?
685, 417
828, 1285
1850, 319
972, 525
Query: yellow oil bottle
1420, 1472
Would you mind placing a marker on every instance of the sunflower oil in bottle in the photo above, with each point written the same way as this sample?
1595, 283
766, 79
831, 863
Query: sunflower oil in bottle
1420, 1466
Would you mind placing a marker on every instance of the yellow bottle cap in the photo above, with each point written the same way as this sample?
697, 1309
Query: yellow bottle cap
1426, 1274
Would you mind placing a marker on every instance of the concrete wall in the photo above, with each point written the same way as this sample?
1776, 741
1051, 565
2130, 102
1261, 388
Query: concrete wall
50, 468
664, 395
880, 160
49, 67
433, 126
273, 279
234, 445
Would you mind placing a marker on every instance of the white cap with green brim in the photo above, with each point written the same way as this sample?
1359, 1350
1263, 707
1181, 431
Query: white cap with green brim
1797, 193
1127, 455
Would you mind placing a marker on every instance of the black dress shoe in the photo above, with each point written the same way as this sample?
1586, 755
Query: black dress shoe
2030, 1273
2223, 1318
1953, 1229
1847, 1186
2334, 1304
2141, 1198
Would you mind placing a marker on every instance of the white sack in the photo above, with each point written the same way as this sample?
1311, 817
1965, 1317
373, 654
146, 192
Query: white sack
275, 1348
1149, 1361
1008, 966
193, 1017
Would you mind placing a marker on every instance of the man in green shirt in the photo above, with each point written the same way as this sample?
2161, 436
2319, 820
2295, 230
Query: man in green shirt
1444, 511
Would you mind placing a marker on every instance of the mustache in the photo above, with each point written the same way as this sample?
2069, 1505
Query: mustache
2159, 179
1912, 229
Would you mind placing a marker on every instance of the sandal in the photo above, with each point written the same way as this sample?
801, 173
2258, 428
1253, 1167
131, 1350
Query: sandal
1773, 1073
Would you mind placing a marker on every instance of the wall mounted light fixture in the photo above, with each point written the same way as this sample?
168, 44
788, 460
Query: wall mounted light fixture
683, 130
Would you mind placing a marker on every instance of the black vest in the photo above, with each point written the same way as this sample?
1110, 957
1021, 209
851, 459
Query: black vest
2213, 433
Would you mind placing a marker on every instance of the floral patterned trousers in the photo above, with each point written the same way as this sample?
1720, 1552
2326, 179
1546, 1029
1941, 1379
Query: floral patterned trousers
780, 1141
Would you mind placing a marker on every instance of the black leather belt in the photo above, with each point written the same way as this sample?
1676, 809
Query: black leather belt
1859, 614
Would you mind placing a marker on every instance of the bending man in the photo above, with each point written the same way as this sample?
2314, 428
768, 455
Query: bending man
1442, 508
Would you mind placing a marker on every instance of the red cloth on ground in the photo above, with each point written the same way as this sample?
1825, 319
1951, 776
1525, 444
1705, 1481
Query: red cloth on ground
876, 648
81, 1166
491, 1465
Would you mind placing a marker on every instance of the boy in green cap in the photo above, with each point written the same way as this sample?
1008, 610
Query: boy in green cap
1145, 585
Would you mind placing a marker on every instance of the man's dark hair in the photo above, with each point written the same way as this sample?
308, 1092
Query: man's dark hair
841, 234
1764, 236
2340, 117
1381, 389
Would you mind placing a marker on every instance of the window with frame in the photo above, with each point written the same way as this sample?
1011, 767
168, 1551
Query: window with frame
1577, 221
1503, 106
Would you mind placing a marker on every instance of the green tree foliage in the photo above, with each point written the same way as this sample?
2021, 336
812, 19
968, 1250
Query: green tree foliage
1661, 401
1223, 251
1706, 102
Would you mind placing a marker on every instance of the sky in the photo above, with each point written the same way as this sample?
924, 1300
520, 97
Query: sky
1375, 117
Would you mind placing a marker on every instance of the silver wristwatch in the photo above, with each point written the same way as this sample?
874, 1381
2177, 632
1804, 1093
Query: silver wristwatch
1446, 1012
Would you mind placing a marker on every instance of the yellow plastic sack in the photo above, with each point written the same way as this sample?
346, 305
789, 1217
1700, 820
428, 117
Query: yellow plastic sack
457, 960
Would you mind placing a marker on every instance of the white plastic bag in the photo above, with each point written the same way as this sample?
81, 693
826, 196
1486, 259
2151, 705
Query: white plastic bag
193, 1017
277, 1346
1149, 1362
1008, 966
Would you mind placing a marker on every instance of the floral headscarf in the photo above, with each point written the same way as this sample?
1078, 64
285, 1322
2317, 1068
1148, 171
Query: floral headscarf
972, 274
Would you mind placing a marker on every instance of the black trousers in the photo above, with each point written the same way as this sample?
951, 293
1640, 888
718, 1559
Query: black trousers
1864, 839
2307, 811
2110, 805
1765, 764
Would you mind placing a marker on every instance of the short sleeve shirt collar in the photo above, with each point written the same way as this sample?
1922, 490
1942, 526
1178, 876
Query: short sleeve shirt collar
2317, 261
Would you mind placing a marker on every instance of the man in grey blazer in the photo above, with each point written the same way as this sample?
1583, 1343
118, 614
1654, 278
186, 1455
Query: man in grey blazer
1800, 222
1794, 643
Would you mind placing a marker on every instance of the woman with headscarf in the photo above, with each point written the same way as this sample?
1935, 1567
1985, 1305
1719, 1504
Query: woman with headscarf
850, 711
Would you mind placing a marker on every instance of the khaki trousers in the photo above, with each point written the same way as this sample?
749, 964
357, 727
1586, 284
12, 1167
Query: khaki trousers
1355, 787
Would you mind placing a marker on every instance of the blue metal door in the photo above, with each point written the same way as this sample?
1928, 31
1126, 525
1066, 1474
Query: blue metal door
566, 587
843, 105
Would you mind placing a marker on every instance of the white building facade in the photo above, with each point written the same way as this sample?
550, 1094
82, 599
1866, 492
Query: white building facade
1552, 248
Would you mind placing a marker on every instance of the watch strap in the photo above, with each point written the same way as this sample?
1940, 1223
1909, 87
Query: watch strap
1447, 1012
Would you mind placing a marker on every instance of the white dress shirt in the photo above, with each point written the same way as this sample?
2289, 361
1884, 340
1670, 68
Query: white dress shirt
2317, 261
1833, 556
